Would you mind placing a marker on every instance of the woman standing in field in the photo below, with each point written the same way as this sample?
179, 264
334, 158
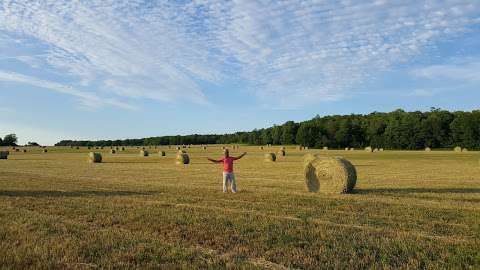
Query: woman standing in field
228, 175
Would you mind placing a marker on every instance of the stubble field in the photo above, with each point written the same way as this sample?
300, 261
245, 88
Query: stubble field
410, 210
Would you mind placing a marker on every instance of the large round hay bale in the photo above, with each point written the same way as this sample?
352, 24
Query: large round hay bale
281, 152
428, 149
113, 151
143, 153
329, 174
162, 153
270, 157
4, 154
182, 158
368, 149
457, 149
464, 150
94, 157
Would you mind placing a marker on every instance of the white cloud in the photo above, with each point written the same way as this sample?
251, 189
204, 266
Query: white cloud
88, 99
463, 70
290, 52
420, 93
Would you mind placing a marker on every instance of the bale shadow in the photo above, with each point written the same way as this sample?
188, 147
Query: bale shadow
416, 190
57, 194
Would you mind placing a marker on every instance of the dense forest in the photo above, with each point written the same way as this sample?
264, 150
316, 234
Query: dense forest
394, 130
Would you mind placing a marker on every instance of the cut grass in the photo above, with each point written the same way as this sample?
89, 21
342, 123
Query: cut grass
410, 210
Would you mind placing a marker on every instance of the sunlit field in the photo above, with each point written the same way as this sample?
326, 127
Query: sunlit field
410, 210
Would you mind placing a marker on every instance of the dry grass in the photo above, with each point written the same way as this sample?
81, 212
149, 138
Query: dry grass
411, 210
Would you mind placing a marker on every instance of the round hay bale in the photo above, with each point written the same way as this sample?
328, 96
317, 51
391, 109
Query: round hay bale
182, 158
162, 153
330, 175
282, 148
143, 153
178, 148
428, 149
113, 151
375, 150
24, 150
94, 157
325, 148
381, 149
457, 149
44, 150
352, 149
281, 152
368, 149
300, 148
17, 150
306, 147
204, 148
123, 148
346, 148
270, 157
4, 154
261, 147
464, 150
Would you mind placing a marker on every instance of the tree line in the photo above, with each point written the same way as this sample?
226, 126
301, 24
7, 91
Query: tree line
9, 140
393, 130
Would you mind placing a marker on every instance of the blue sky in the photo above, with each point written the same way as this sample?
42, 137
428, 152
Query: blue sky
129, 69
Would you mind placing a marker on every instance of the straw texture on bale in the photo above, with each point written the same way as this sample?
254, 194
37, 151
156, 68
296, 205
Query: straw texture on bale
182, 158
428, 149
330, 175
162, 153
368, 149
94, 157
143, 153
4, 154
271, 157
457, 149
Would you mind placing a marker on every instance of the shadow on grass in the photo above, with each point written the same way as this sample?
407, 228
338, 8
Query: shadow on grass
416, 190
56, 194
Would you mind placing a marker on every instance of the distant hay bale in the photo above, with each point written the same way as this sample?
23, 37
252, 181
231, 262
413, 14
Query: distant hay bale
178, 148
270, 157
300, 148
281, 152
17, 150
306, 147
44, 150
325, 148
143, 153
182, 158
331, 175
261, 147
24, 150
204, 148
113, 151
94, 157
428, 149
162, 153
464, 150
381, 149
457, 149
346, 148
368, 149
123, 148
77, 148
352, 149
88, 147
375, 150
4, 154
223, 147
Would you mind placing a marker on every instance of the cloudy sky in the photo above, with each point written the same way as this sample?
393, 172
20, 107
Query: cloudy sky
107, 69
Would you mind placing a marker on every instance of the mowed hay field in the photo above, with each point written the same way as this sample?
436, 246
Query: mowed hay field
410, 210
